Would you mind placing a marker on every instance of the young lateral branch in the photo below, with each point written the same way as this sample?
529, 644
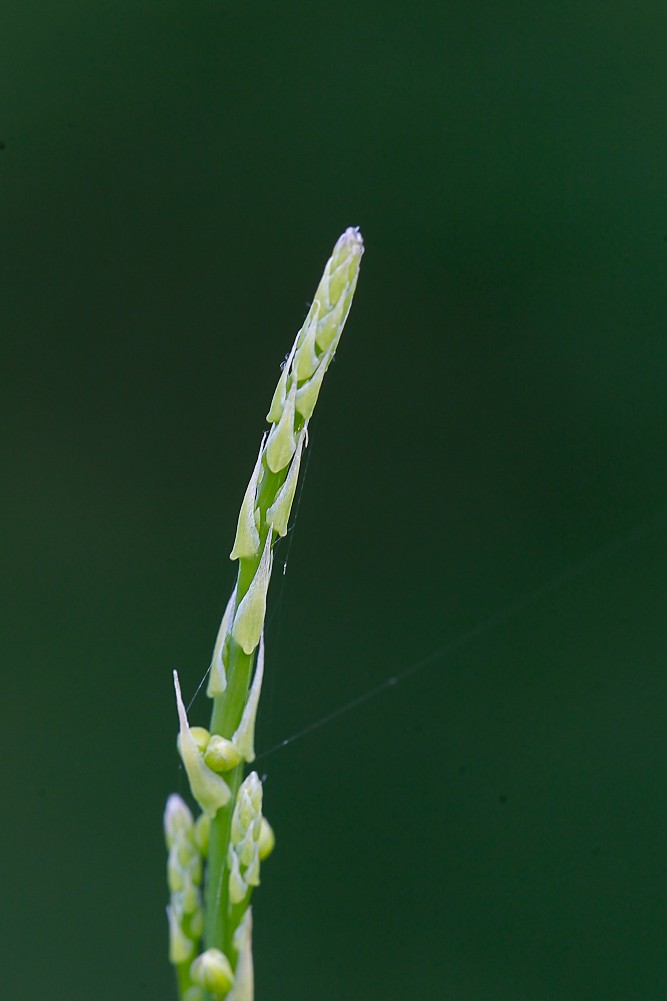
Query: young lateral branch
215, 858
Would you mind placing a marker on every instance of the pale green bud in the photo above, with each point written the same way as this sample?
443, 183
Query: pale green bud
243, 855
185, 851
180, 946
202, 832
251, 874
212, 971
246, 823
200, 735
178, 821
341, 270
189, 894
210, 791
244, 737
246, 542
306, 396
244, 981
252, 786
174, 873
238, 829
246, 849
217, 677
249, 618
197, 923
281, 444
279, 512
248, 801
183, 864
278, 401
306, 359
331, 325
267, 840
237, 885
222, 754
195, 870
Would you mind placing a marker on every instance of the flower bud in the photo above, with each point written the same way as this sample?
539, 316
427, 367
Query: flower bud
281, 443
337, 287
280, 394
249, 800
200, 735
217, 677
251, 873
306, 358
246, 849
249, 618
174, 877
183, 867
279, 512
212, 971
222, 754
246, 542
177, 820
188, 896
180, 946
244, 737
331, 325
306, 396
243, 856
202, 832
237, 885
267, 840
197, 923
210, 791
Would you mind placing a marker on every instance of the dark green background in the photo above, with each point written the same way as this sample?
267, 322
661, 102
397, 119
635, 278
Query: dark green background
172, 178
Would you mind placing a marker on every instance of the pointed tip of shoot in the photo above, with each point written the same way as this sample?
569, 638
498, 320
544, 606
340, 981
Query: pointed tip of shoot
337, 287
349, 242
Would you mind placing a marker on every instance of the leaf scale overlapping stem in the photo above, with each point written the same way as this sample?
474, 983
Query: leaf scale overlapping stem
225, 846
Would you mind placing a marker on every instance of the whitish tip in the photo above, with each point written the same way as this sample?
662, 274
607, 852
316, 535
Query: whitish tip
351, 239
210, 791
178, 820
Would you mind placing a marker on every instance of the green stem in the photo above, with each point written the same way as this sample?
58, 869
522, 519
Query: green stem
227, 711
217, 933
219, 925
183, 977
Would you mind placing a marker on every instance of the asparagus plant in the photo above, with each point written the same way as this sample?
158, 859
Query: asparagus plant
214, 860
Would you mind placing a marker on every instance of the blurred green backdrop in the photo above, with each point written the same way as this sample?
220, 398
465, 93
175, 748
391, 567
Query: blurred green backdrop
172, 177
